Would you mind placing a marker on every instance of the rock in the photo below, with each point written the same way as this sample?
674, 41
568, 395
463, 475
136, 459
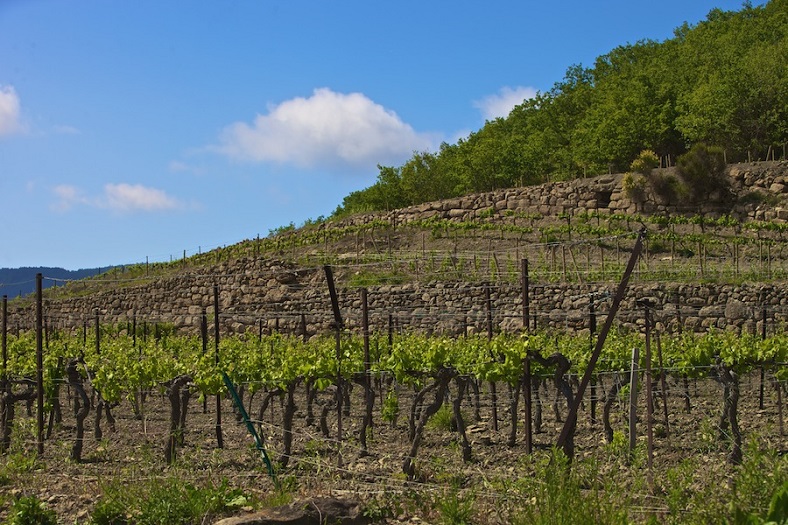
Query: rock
315, 511
735, 309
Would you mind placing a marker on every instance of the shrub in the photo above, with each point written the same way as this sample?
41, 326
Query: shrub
645, 162
634, 186
702, 169
668, 188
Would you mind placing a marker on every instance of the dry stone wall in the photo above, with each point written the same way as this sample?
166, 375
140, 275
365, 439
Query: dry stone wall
246, 301
765, 182
256, 294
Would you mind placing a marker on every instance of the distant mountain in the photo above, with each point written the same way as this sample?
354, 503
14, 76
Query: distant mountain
15, 282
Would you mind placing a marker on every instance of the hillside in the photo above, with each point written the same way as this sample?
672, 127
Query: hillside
438, 257
18, 282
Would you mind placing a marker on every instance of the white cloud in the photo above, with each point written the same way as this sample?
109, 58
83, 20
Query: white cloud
116, 197
67, 197
10, 122
327, 129
131, 197
502, 103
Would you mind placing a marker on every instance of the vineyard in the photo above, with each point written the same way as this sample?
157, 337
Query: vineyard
498, 363
574, 246
468, 427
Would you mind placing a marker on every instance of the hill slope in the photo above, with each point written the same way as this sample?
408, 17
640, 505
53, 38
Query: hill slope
17, 282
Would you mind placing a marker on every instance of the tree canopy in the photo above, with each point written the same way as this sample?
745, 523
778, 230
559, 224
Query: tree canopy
722, 82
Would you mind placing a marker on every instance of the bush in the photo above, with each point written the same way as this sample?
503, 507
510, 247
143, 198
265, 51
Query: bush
668, 188
702, 169
645, 162
634, 186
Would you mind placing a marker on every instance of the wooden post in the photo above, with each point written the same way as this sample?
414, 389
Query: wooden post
368, 394
571, 419
219, 438
776, 382
5, 339
391, 332
663, 380
97, 326
493, 390
591, 334
338, 325
763, 337
204, 337
647, 306
527, 365
40, 361
633, 398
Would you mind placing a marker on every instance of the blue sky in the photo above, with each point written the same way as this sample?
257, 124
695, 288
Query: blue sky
140, 129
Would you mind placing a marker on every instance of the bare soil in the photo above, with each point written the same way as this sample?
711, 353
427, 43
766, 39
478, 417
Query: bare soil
134, 453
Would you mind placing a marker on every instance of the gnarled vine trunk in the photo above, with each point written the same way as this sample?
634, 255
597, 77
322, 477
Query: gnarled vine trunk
619, 381
439, 386
730, 382
174, 394
81, 406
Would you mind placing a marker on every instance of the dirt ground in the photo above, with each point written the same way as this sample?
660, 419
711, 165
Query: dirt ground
134, 451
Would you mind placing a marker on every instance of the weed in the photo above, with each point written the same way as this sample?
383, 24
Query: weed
172, 500
283, 494
109, 512
560, 494
29, 510
443, 419
455, 509
378, 510
390, 409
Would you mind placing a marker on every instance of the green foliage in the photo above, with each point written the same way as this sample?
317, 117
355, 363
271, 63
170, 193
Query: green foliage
667, 187
443, 419
455, 509
702, 170
283, 495
390, 409
778, 506
562, 495
634, 186
645, 162
760, 483
171, 500
754, 493
110, 512
279, 230
29, 510
722, 81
